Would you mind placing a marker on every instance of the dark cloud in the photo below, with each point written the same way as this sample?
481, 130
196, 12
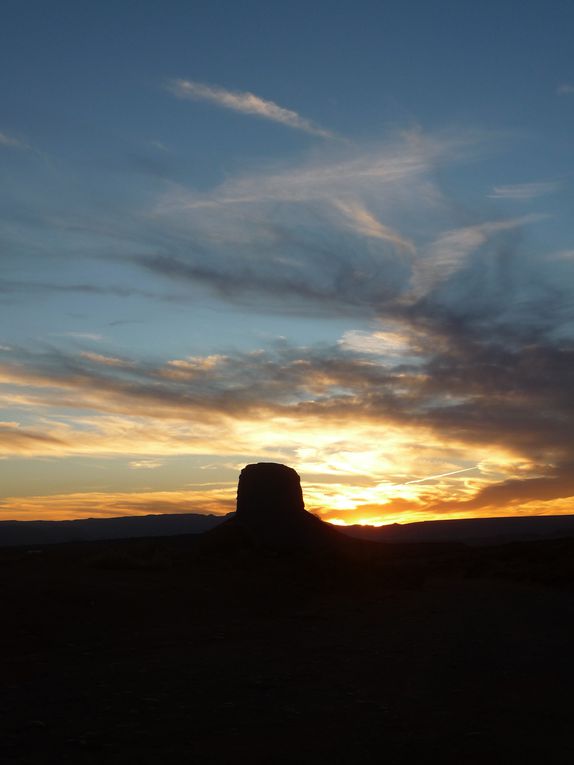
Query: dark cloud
558, 483
20, 440
287, 270
14, 291
462, 384
21, 288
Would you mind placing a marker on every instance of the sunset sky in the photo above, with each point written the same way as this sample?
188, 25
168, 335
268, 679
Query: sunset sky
334, 235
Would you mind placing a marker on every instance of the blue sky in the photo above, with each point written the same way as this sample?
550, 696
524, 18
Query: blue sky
238, 191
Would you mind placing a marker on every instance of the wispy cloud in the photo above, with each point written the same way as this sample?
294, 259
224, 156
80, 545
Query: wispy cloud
364, 222
380, 170
246, 103
109, 361
10, 142
93, 336
524, 190
379, 343
145, 464
449, 251
328, 234
566, 89
324, 235
159, 145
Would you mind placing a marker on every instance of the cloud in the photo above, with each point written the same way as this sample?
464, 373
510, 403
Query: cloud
145, 464
448, 252
565, 89
364, 222
110, 361
159, 145
246, 103
367, 418
26, 289
469, 359
380, 343
326, 237
10, 142
15, 440
93, 336
556, 484
322, 237
563, 255
116, 504
524, 190
348, 172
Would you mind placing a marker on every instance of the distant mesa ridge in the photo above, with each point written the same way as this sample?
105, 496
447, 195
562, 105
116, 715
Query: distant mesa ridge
15, 533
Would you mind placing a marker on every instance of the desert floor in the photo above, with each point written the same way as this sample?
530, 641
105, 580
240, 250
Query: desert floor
146, 652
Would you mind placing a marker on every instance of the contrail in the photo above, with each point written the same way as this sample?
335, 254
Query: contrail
441, 475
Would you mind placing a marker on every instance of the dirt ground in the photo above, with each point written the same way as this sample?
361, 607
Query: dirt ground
141, 653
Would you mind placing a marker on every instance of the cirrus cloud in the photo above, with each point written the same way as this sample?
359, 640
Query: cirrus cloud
524, 191
11, 142
246, 103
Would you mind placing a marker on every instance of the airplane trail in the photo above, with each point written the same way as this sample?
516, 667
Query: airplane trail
440, 475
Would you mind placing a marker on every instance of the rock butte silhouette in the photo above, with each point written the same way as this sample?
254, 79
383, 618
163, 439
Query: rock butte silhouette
268, 493
271, 512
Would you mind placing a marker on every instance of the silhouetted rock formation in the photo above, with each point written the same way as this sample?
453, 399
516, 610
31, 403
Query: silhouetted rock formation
270, 506
271, 513
267, 493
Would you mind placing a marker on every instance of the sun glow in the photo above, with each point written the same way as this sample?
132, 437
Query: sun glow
363, 469
378, 483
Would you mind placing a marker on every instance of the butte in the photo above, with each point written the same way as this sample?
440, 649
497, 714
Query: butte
271, 514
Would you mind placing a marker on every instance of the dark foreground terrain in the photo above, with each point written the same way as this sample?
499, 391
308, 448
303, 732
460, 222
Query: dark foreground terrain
164, 650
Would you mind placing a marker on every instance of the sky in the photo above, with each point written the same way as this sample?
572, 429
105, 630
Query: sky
333, 235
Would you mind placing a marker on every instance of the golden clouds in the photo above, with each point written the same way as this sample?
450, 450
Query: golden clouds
336, 503
61, 507
383, 427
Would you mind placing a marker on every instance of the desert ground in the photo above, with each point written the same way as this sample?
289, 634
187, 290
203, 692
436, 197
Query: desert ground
167, 650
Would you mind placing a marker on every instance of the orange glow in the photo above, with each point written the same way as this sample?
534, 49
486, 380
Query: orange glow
62, 507
353, 470
220, 500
